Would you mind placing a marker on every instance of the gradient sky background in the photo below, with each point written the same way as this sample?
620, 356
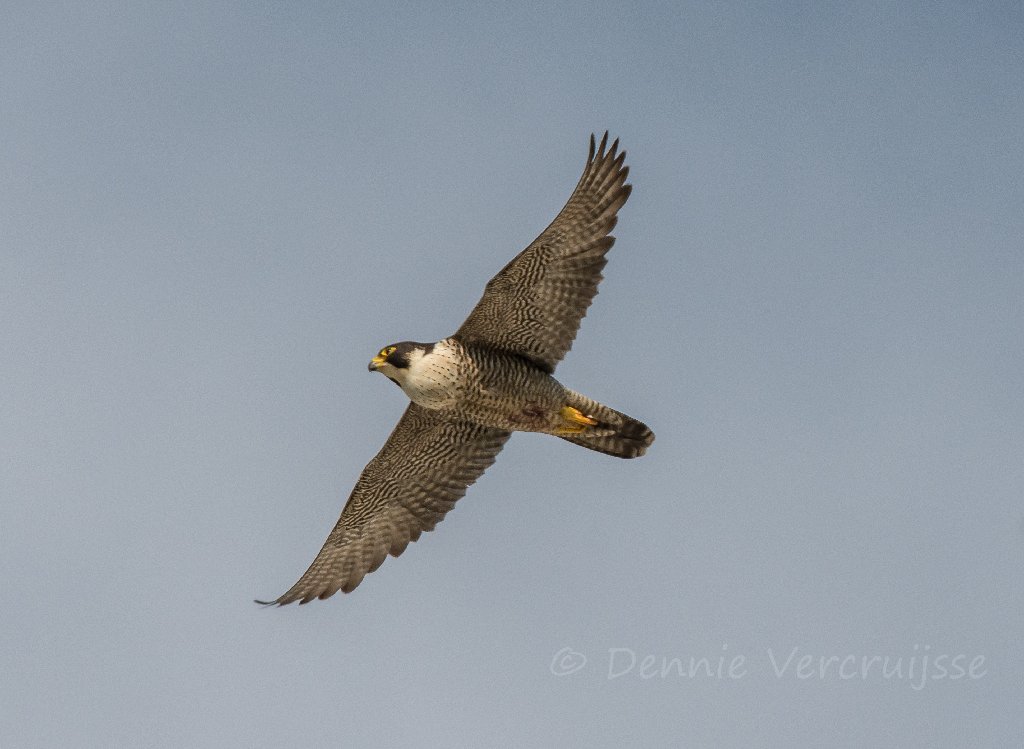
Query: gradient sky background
213, 214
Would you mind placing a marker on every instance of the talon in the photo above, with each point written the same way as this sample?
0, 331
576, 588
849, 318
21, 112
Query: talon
576, 418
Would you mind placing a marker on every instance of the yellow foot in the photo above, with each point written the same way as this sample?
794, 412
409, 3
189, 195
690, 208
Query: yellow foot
575, 420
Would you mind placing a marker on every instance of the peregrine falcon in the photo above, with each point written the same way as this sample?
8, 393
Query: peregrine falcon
492, 377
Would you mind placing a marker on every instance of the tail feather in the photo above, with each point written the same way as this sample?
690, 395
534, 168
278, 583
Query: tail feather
614, 434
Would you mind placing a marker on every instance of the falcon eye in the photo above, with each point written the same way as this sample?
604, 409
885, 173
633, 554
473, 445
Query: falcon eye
386, 352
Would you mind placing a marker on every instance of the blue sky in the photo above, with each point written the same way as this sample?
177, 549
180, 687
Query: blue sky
212, 215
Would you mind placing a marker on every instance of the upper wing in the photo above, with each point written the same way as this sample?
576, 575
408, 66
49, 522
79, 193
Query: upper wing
534, 306
423, 468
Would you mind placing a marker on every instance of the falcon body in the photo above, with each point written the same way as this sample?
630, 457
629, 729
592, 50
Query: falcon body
496, 389
492, 377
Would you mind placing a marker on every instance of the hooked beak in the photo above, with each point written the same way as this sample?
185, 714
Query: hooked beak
375, 363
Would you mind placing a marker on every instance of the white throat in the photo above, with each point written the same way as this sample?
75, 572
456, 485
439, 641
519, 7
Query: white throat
432, 380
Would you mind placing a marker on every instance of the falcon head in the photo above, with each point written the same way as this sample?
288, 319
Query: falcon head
394, 361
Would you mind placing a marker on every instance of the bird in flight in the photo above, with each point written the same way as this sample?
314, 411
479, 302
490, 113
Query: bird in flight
492, 377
